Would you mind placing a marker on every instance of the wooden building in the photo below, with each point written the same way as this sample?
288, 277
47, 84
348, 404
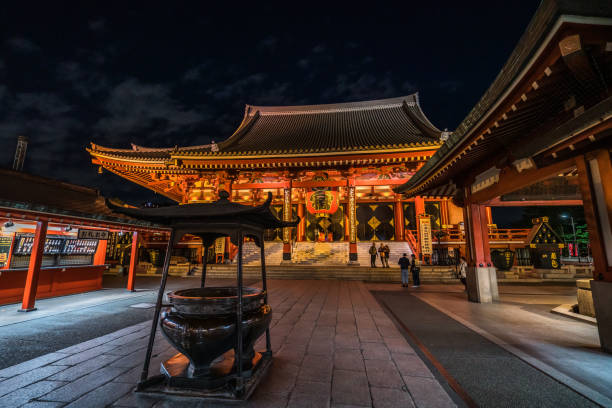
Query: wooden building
333, 165
41, 253
548, 113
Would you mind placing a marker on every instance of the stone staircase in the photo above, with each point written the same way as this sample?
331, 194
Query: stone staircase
320, 253
251, 254
343, 272
396, 248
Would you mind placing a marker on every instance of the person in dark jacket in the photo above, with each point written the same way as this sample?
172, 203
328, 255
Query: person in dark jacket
404, 264
373, 251
415, 268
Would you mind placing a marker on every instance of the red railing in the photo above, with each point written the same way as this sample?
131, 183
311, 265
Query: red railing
458, 235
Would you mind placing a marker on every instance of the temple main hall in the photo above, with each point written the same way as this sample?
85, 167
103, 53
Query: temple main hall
334, 166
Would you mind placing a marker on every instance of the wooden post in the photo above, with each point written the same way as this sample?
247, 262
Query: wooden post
597, 206
100, 255
158, 305
444, 216
398, 212
265, 289
239, 379
301, 228
489, 215
479, 235
347, 227
133, 262
204, 263
226, 251
481, 277
36, 256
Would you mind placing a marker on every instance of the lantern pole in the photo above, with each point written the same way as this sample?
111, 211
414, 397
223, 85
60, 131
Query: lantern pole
239, 379
158, 305
265, 289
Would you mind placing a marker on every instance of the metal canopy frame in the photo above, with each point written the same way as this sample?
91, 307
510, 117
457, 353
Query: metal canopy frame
209, 222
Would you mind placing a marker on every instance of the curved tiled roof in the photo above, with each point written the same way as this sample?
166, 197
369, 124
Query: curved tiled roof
541, 26
394, 123
345, 126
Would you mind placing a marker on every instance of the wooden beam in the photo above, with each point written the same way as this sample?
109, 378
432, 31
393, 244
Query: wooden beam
577, 59
497, 202
511, 180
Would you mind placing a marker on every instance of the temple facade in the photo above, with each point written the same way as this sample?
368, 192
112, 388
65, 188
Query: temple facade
335, 166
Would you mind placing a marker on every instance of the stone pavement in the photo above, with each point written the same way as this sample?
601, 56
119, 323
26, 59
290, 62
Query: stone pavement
334, 347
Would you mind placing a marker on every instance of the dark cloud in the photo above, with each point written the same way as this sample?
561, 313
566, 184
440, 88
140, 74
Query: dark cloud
319, 48
133, 107
357, 86
22, 45
269, 43
84, 81
97, 25
303, 63
451, 86
115, 73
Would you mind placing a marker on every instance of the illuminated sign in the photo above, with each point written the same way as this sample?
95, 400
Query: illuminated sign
425, 234
93, 234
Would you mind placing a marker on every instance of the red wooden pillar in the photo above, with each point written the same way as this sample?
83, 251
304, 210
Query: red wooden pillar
346, 223
489, 215
477, 235
444, 216
36, 256
481, 276
595, 173
287, 216
597, 204
399, 218
100, 255
133, 262
227, 250
301, 228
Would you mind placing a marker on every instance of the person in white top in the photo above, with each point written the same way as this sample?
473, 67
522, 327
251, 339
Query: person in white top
463, 272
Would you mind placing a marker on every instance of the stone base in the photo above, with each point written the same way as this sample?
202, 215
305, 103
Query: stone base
482, 284
602, 293
585, 297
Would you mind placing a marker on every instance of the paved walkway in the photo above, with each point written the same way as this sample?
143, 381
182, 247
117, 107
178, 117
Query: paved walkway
521, 323
334, 346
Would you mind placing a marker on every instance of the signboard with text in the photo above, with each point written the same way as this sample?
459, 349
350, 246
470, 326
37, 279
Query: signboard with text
5, 249
220, 245
93, 234
425, 234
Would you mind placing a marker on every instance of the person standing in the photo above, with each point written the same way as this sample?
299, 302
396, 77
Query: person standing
404, 264
415, 268
381, 253
373, 253
463, 272
386, 251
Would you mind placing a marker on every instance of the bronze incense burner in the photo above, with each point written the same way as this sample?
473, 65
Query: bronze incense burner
201, 324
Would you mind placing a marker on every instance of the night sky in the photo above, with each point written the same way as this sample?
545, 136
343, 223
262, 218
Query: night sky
171, 75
